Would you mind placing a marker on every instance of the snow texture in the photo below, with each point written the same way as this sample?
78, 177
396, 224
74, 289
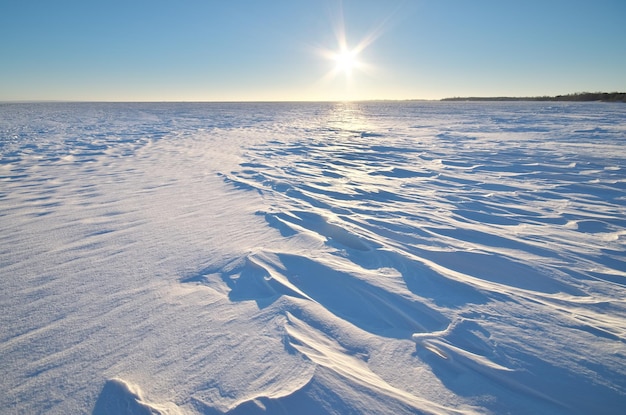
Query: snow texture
313, 258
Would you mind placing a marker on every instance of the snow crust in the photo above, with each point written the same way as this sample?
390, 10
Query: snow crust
327, 258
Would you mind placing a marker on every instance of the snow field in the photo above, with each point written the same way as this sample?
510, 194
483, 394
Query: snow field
313, 258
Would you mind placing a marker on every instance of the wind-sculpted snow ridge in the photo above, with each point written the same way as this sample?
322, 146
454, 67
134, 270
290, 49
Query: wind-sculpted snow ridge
369, 258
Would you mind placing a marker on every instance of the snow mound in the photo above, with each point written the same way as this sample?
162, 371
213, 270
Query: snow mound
119, 397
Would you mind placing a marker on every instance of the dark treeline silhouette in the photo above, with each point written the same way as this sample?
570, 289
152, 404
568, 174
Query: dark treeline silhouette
580, 96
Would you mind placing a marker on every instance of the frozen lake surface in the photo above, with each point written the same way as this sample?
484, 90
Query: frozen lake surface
331, 258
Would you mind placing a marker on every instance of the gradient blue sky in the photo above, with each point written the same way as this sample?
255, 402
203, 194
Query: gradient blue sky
192, 50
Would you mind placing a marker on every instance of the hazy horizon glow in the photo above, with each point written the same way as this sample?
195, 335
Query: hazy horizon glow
308, 51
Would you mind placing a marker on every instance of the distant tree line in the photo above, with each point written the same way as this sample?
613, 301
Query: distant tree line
580, 96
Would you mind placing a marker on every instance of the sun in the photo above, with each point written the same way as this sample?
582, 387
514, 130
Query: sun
345, 61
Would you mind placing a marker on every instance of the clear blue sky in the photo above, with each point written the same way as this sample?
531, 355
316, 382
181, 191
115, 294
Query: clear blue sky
193, 50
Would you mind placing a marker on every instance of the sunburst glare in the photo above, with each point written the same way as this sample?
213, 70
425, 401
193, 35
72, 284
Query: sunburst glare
346, 60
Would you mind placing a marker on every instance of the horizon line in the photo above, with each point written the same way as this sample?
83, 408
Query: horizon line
252, 101
33, 101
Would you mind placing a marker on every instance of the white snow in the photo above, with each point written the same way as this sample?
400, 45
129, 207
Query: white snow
313, 258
